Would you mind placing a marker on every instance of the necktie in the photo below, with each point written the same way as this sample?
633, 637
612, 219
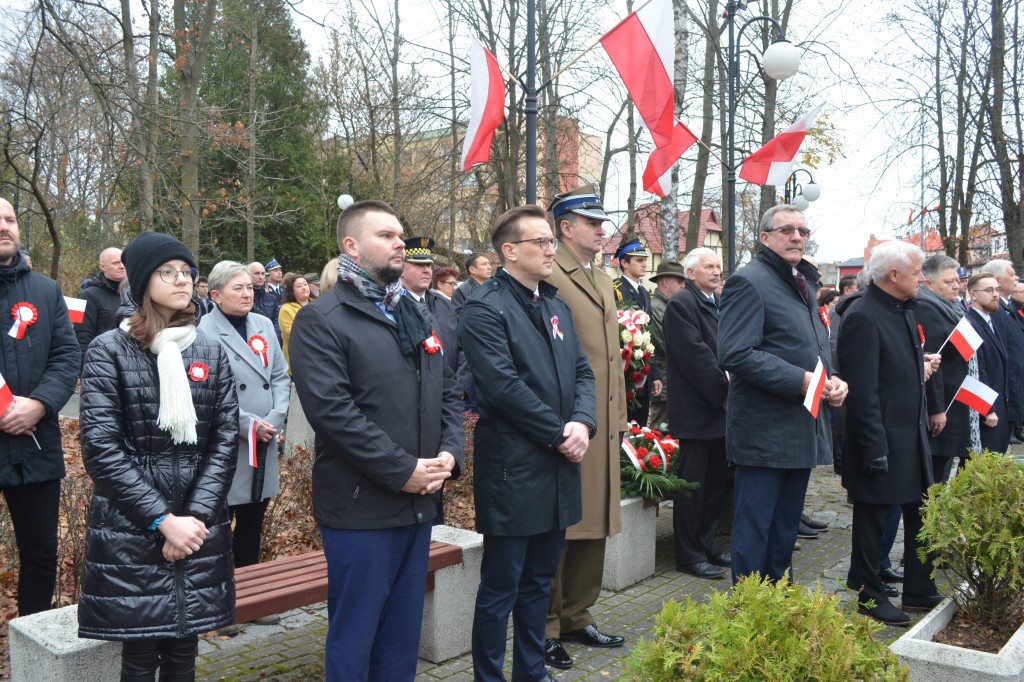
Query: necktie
425, 309
801, 284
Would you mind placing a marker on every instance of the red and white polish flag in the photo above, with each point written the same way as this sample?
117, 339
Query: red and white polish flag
6, 396
812, 401
772, 163
487, 105
965, 339
642, 49
251, 441
976, 395
76, 309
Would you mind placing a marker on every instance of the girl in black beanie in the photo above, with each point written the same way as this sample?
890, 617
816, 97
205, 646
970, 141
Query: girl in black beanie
159, 423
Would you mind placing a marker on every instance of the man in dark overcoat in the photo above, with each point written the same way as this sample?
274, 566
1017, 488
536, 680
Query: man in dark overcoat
388, 425
537, 415
696, 415
949, 433
1013, 340
770, 338
886, 459
993, 358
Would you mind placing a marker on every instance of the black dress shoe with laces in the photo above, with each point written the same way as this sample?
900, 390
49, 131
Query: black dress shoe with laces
724, 559
702, 569
812, 524
556, 656
807, 533
890, 576
591, 636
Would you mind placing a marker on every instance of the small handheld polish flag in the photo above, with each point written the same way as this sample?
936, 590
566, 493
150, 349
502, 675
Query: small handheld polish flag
813, 398
76, 309
964, 339
975, 395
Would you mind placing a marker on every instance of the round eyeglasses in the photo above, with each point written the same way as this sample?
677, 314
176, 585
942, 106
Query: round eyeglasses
170, 275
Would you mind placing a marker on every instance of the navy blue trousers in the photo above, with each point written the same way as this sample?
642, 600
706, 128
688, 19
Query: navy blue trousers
515, 577
376, 580
768, 503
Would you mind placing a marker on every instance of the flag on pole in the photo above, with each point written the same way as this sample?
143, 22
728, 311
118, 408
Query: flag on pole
6, 396
772, 163
642, 49
76, 309
965, 339
487, 105
813, 398
251, 441
976, 395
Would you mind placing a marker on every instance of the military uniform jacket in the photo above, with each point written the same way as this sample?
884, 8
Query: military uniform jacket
532, 378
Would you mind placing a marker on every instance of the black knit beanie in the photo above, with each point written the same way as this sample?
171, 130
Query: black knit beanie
145, 254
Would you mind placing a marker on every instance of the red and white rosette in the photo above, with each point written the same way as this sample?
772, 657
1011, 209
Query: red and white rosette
826, 319
198, 371
259, 346
25, 315
433, 344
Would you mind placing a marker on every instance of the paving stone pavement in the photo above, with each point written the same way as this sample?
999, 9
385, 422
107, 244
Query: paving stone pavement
293, 649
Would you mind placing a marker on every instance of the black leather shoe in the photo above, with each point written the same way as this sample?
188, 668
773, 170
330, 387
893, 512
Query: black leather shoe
891, 591
920, 604
885, 612
591, 636
723, 559
890, 576
556, 656
702, 569
806, 520
804, 532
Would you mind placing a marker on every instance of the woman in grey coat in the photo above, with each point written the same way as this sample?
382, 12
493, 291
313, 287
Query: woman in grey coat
262, 387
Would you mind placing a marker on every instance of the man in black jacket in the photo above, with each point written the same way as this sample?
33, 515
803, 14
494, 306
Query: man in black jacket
537, 415
102, 299
696, 415
1013, 339
886, 459
478, 265
39, 360
264, 302
993, 359
388, 426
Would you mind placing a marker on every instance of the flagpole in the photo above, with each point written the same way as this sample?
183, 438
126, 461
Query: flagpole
531, 102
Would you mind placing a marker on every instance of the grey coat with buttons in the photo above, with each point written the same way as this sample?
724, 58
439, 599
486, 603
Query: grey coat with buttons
263, 393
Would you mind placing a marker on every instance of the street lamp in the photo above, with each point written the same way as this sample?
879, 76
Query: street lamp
780, 61
801, 195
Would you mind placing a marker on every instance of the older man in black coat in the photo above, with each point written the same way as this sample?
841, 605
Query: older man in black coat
537, 415
388, 424
696, 414
771, 337
886, 459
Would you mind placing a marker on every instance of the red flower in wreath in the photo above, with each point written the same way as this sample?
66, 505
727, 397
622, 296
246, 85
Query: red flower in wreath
636, 377
635, 430
657, 434
668, 448
641, 453
649, 435
654, 461
629, 396
647, 355
646, 370
625, 354
197, 371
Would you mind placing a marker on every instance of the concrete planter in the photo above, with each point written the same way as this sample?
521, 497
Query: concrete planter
629, 556
448, 608
930, 661
45, 648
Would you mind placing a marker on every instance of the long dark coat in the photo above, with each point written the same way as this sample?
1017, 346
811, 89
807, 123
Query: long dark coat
691, 347
993, 371
43, 365
768, 337
1013, 340
129, 591
375, 412
880, 356
937, 321
532, 378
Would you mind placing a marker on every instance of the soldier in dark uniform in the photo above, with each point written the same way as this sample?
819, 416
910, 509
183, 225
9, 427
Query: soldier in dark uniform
632, 257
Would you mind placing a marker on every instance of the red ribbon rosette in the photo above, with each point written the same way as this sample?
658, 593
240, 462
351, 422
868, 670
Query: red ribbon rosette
25, 315
826, 319
197, 371
259, 346
433, 344
920, 330
555, 331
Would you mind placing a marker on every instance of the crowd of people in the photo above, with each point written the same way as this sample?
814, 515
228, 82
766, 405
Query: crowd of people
185, 385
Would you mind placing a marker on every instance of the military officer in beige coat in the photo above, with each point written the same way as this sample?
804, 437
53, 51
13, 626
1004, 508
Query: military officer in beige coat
579, 226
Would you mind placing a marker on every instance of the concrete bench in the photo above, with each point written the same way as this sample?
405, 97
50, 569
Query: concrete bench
45, 646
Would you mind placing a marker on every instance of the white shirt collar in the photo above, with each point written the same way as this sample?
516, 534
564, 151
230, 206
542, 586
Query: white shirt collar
636, 285
985, 316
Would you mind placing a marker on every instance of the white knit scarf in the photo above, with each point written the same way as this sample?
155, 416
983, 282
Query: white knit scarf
177, 413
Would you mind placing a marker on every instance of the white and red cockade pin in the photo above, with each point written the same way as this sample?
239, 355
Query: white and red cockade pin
920, 330
259, 347
25, 315
198, 371
826, 319
555, 331
433, 344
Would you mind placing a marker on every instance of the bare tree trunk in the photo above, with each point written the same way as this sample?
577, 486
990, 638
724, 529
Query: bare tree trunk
250, 184
670, 204
453, 160
396, 112
191, 44
700, 176
1011, 206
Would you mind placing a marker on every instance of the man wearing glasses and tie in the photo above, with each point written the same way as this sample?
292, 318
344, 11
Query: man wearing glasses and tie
771, 337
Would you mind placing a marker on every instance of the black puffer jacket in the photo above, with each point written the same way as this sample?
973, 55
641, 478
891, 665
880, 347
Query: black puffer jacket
129, 591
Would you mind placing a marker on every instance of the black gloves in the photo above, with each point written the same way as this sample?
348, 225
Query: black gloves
875, 467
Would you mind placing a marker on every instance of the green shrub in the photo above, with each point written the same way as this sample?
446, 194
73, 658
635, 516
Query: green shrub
763, 631
974, 527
